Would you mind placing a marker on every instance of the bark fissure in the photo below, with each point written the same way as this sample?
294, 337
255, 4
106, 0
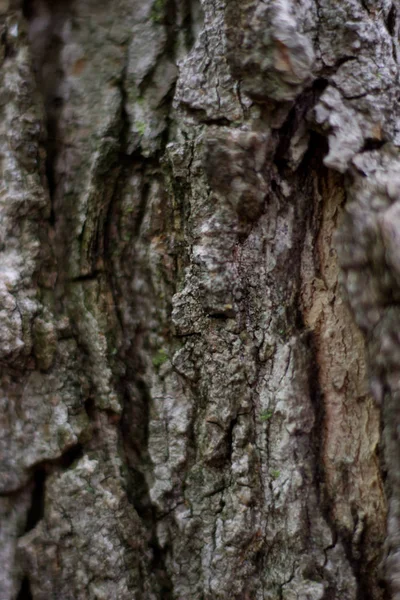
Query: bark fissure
353, 534
25, 591
36, 511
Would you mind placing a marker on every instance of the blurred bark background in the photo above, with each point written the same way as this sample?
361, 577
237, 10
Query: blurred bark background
199, 300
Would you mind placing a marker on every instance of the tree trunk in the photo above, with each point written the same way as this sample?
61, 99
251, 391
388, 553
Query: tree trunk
200, 286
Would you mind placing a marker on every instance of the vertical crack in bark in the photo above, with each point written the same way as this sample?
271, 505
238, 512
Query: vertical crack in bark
135, 412
40, 475
138, 490
45, 20
36, 510
342, 405
25, 590
193, 22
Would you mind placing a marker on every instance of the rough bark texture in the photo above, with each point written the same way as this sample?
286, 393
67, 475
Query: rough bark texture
191, 197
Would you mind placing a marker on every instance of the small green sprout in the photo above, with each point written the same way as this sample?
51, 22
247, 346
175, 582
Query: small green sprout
266, 415
140, 127
160, 358
157, 11
275, 474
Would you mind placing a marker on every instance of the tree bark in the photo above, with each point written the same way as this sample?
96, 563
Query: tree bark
200, 285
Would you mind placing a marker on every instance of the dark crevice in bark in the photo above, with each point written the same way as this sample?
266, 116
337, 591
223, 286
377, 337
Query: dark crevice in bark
229, 439
136, 405
316, 397
46, 47
282, 585
127, 162
40, 473
65, 461
372, 144
149, 518
297, 115
201, 117
380, 451
392, 27
170, 8
134, 429
391, 20
193, 22
9, 50
343, 61
165, 13
136, 412
134, 440
25, 590
93, 275
90, 408
36, 510
329, 71
28, 9
357, 564
382, 458
70, 457
44, 468
229, 314
365, 6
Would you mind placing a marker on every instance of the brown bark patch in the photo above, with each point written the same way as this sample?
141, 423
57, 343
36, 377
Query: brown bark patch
350, 419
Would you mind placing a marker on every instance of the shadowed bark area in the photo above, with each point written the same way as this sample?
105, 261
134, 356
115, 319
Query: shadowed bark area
198, 223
